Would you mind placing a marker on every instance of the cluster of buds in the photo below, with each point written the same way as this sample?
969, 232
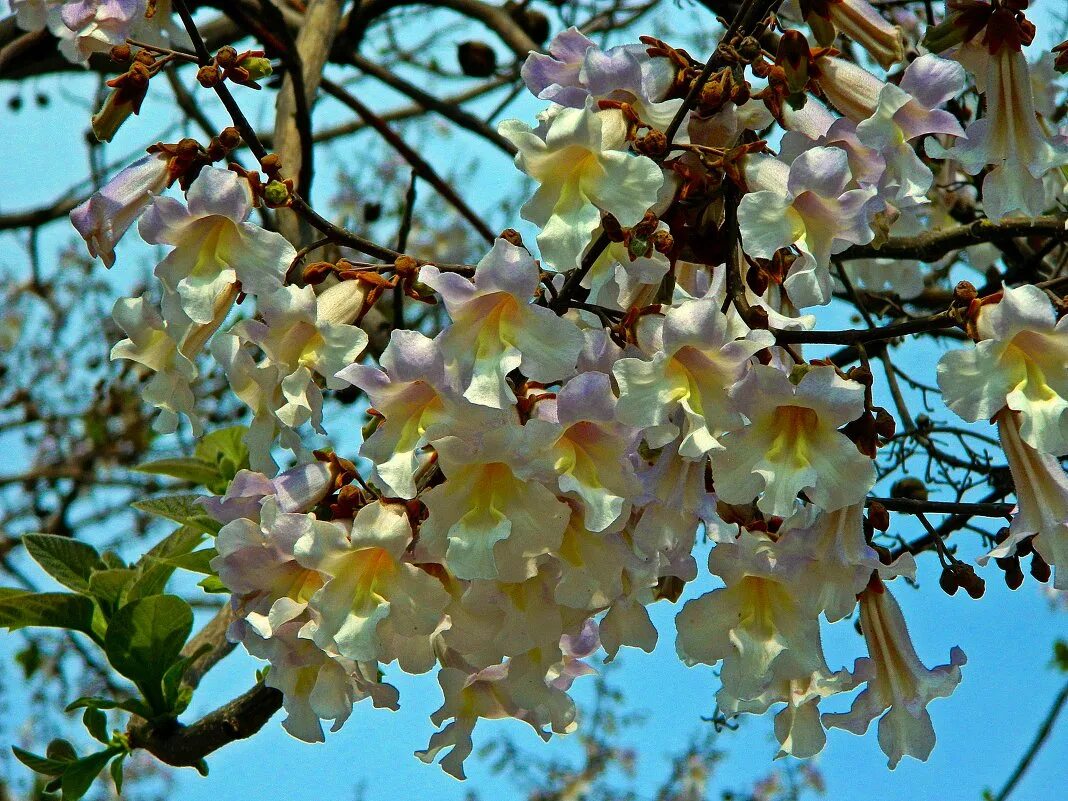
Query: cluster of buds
244, 69
187, 157
128, 90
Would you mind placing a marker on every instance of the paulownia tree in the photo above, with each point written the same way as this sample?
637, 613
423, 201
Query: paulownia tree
399, 434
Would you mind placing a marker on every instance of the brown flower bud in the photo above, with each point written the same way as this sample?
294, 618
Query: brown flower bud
121, 54
187, 148
948, 581
653, 144
1040, 568
1014, 577
885, 424
316, 272
513, 236
230, 137
271, 164
879, 517
862, 375
972, 583
964, 293
209, 75
226, 57
662, 241
647, 225
612, 229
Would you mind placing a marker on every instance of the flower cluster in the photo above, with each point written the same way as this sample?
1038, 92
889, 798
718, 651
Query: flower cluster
543, 468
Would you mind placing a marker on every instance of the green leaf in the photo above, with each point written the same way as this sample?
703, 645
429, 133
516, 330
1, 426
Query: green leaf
176, 696
68, 561
91, 702
79, 776
195, 562
225, 448
116, 772
109, 586
145, 638
62, 750
197, 471
212, 584
181, 509
62, 610
96, 723
40, 764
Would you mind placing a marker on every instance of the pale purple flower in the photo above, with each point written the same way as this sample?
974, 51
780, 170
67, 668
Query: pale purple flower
108, 213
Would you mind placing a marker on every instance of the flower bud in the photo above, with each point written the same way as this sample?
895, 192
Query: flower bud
909, 488
208, 76
276, 193
257, 67
226, 57
477, 59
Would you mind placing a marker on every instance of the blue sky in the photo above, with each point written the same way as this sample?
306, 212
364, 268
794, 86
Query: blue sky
982, 729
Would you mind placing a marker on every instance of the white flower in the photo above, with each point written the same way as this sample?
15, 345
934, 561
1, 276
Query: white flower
1021, 361
302, 335
582, 168
495, 329
700, 360
1041, 499
805, 204
1009, 139
374, 606
213, 245
900, 685
489, 519
792, 443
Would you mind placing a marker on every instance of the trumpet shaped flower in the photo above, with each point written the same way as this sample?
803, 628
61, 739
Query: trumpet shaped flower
582, 168
302, 335
1008, 139
489, 519
213, 245
792, 443
756, 625
110, 211
1019, 362
591, 455
576, 69
900, 685
700, 360
805, 204
374, 606
495, 329
1041, 499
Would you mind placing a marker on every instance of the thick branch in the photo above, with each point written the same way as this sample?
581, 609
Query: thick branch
933, 245
185, 746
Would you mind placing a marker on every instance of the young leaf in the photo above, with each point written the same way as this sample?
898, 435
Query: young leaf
181, 509
109, 586
212, 584
195, 562
197, 471
63, 610
145, 638
79, 776
225, 448
116, 772
40, 764
68, 561
96, 723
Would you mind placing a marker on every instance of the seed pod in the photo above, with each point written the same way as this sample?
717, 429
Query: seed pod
477, 59
1040, 568
948, 581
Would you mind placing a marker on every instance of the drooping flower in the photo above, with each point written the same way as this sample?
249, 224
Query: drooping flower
792, 443
582, 169
296, 490
154, 343
490, 518
861, 22
1020, 361
374, 606
108, 213
757, 625
700, 359
805, 204
213, 245
1008, 139
900, 685
495, 329
303, 335
1041, 499
591, 454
